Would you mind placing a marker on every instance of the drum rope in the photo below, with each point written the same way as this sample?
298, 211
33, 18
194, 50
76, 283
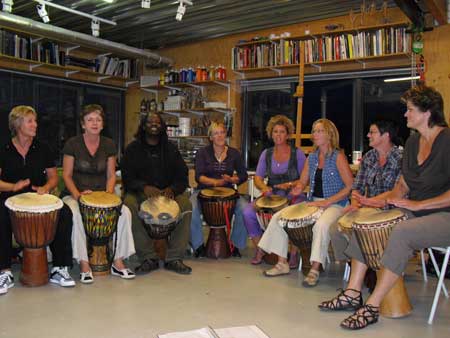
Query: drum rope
227, 221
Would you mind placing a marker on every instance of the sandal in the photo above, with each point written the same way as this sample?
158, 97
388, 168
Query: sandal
343, 302
259, 255
311, 279
364, 316
278, 270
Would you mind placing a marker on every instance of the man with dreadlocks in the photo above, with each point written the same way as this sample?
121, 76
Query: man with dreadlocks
152, 166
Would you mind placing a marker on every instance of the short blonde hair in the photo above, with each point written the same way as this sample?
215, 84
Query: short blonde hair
279, 120
216, 125
17, 115
331, 131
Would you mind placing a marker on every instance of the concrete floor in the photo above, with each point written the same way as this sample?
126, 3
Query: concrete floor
219, 294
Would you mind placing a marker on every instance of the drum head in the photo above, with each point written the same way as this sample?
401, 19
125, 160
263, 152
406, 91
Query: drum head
101, 199
33, 202
379, 217
297, 211
218, 192
347, 220
160, 210
271, 202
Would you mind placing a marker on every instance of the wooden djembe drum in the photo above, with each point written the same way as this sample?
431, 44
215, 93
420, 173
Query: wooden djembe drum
34, 219
217, 206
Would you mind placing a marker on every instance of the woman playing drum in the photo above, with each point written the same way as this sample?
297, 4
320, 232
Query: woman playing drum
89, 164
378, 173
218, 165
426, 181
330, 180
282, 165
27, 164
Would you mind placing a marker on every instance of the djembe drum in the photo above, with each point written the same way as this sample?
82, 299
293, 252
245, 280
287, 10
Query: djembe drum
100, 212
298, 221
217, 206
372, 233
160, 216
266, 207
34, 219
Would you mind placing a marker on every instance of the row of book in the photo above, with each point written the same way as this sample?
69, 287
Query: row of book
44, 51
324, 48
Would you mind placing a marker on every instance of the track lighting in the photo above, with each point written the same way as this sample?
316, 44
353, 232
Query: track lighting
42, 11
146, 3
7, 5
95, 26
182, 9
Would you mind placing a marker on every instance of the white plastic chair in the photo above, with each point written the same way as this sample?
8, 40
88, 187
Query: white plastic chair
440, 272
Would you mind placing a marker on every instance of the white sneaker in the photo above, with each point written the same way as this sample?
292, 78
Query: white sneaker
6, 281
86, 277
60, 275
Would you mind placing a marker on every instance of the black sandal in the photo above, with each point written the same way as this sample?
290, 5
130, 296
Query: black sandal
364, 316
343, 302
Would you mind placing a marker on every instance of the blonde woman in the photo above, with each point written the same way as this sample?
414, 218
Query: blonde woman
218, 165
330, 180
89, 164
281, 165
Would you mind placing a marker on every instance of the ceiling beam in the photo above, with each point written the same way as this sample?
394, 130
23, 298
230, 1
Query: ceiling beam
412, 11
437, 8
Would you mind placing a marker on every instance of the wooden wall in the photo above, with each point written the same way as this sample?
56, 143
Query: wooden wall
437, 60
218, 51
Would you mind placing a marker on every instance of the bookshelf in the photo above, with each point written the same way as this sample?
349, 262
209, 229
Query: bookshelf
360, 47
36, 54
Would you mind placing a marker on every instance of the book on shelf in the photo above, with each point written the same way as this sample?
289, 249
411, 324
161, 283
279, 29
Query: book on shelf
323, 48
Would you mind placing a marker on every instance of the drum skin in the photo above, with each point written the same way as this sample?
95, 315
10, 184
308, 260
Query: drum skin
160, 216
267, 206
100, 223
372, 233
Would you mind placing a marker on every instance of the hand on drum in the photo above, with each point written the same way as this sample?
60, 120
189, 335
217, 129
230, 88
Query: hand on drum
319, 204
230, 179
168, 192
267, 192
406, 204
350, 208
372, 202
284, 186
40, 190
19, 185
151, 191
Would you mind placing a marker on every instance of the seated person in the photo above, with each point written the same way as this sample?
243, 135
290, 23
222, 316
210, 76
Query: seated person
330, 180
282, 165
28, 165
152, 166
89, 164
423, 192
215, 166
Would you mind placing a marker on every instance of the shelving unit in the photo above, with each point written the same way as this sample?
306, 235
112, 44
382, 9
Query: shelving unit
38, 55
362, 48
188, 145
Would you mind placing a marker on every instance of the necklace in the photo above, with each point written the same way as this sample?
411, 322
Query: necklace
218, 156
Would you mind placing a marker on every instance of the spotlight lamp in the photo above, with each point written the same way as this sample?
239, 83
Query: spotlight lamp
7, 5
146, 3
95, 26
42, 11
182, 9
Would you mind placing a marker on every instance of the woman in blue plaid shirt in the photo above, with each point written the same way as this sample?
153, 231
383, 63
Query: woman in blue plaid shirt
379, 171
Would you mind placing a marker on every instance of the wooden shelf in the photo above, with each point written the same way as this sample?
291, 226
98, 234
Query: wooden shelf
72, 72
323, 33
180, 85
191, 136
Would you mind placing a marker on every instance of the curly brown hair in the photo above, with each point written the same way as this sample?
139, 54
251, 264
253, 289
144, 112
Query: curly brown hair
279, 120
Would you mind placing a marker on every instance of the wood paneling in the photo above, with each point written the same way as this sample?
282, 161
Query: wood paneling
437, 62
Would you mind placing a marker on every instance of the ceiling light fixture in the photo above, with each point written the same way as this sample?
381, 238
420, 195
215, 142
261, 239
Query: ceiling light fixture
70, 10
182, 8
95, 26
402, 79
7, 5
146, 3
43, 14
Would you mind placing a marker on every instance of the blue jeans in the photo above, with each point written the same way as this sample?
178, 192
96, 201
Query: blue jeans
238, 233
